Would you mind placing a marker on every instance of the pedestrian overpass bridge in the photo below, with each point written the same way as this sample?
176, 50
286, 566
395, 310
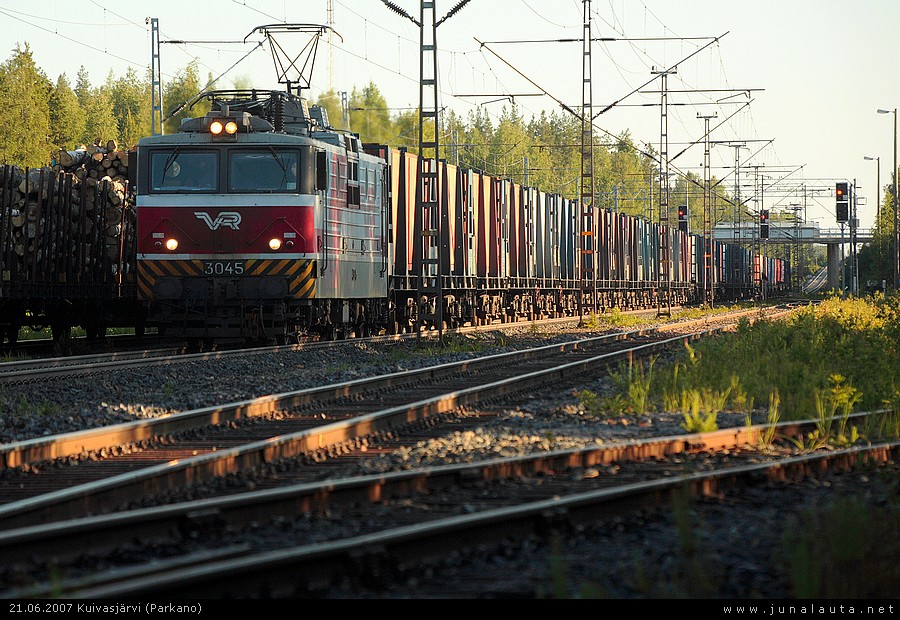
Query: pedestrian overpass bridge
785, 233
748, 232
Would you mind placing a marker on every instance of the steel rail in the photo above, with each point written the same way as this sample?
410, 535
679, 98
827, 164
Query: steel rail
16, 454
174, 474
166, 524
311, 568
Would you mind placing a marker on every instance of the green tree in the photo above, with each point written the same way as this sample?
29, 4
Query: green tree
66, 116
476, 137
510, 145
331, 102
99, 119
630, 170
369, 115
406, 130
876, 259
83, 88
131, 107
178, 93
243, 82
24, 111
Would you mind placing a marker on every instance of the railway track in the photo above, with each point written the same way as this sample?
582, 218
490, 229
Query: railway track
97, 469
34, 367
233, 517
302, 540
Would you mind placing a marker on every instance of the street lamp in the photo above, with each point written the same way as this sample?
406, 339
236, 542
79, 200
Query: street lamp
896, 257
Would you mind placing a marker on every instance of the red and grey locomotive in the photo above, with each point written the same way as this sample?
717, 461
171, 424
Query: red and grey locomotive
260, 221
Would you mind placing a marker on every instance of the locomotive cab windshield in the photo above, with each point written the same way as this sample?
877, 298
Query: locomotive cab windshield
184, 171
263, 171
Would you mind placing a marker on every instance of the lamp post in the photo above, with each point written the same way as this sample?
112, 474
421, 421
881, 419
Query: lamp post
896, 257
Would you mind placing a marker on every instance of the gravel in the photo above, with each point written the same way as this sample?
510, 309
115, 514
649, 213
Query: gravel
744, 547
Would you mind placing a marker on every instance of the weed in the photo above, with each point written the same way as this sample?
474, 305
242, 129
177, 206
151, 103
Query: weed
700, 411
615, 405
833, 407
169, 387
635, 382
740, 399
549, 440
590, 402
886, 424
840, 399
847, 550
767, 435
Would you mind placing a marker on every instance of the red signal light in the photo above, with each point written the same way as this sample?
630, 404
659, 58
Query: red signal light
841, 189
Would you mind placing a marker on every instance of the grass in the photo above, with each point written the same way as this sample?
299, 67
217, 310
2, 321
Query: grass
700, 409
843, 549
846, 551
614, 319
767, 436
23, 410
822, 363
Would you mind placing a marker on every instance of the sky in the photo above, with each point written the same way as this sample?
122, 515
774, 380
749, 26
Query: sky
794, 85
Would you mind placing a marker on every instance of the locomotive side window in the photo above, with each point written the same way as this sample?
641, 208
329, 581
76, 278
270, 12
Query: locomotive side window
184, 171
352, 182
263, 171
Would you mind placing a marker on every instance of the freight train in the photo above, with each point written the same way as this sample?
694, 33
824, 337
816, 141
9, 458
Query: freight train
261, 221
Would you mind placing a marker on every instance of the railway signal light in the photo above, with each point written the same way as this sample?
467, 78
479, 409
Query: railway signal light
842, 201
682, 218
764, 224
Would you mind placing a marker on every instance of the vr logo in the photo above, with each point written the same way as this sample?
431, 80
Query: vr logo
228, 219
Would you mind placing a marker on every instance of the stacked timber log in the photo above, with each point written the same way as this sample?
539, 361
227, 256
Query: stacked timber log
71, 223
95, 161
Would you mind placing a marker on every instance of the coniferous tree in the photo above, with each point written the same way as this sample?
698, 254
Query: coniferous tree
83, 87
511, 145
130, 106
369, 114
24, 111
876, 258
99, 119
66, 116
178, 93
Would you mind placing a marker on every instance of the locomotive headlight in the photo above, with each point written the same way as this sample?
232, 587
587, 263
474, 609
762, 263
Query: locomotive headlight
171, 244
216, 128
275, 244
231, 128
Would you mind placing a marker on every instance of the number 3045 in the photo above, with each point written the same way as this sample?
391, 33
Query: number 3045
224, 268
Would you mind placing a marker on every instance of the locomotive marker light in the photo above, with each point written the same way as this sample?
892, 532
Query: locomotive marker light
171, 244
275, 244
218, 126
842, 201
